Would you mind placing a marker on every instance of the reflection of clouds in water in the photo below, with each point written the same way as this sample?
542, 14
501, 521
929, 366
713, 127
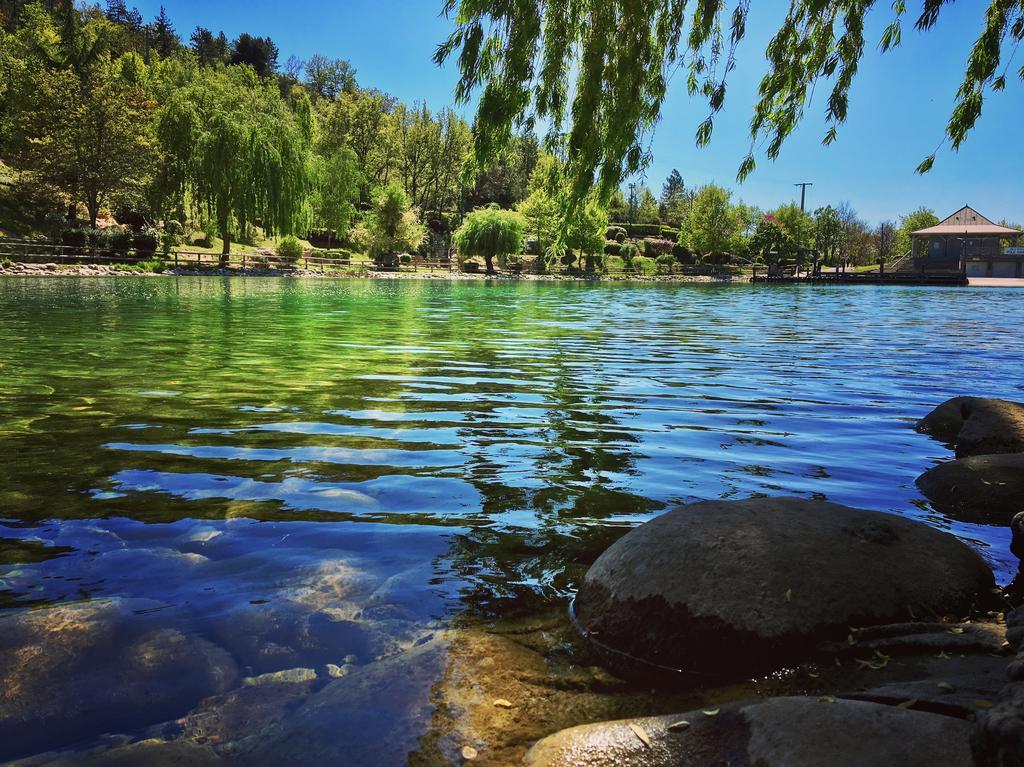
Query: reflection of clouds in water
339, 455
437, 496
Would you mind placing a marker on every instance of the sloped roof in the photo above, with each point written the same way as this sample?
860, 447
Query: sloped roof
967, 221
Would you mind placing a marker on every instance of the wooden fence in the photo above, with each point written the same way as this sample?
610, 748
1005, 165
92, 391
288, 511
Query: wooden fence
39, 252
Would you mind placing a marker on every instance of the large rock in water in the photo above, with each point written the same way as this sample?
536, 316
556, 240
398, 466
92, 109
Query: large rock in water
782, 732
977, 425
987, 488
731, 588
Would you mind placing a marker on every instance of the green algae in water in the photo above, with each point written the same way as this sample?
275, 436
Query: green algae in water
203, 480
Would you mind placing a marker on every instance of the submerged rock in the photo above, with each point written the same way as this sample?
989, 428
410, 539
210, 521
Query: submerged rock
732, 588
977, 425
782, 732
151, 753
288, 676
373, 716
70, 672
981, 487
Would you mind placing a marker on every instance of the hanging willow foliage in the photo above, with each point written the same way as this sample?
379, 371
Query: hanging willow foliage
599, 69
237, 154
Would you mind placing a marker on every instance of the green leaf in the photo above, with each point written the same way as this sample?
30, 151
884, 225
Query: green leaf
926, 166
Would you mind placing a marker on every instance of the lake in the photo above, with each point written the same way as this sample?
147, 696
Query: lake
206, 480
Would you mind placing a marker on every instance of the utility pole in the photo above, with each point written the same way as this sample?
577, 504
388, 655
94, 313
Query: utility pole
803, 193
803, 199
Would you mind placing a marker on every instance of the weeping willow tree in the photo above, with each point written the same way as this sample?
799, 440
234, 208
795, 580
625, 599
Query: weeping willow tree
597, 71
236, 154
491, 233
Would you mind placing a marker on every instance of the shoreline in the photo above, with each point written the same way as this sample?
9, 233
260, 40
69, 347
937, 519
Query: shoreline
19, 269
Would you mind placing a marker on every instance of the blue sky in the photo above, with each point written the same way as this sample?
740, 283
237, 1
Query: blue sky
898, 107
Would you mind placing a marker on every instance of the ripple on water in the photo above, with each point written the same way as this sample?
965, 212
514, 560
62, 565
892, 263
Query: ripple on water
279, 470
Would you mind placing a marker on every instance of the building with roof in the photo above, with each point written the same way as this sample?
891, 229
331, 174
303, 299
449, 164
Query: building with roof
968, 243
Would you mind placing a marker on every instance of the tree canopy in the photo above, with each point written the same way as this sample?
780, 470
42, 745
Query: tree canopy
235, 151
597, 72
711, 223
491, 233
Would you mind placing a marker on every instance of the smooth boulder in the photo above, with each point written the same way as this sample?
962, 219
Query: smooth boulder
781, 732
977, 425
986, 488
725, 589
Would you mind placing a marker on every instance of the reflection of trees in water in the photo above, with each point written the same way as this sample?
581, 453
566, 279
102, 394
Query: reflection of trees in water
583, 453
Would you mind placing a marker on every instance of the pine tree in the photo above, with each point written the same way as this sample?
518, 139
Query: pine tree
164, 39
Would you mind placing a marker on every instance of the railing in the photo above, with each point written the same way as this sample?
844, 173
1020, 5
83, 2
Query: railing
200, 260
35, 252
902, 263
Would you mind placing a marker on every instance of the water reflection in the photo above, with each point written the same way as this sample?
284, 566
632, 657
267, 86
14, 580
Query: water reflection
270, 475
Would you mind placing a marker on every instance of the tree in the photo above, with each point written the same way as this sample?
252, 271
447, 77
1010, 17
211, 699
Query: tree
711, 223
233, 148
543, 218
618, 208
119, 13
648, 211
673, 199
392, 225
922, 218
798, 225
258, 52
506, 179
87, 136
336, 190
491, 233
165, 39
328, 78
770, 242
209, 49
829, 237
357, 120
584, 231
522, 57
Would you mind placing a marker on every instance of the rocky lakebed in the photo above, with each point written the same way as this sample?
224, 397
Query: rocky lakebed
776, 632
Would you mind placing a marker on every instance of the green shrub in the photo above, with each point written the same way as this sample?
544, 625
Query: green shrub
289, 249
386, 261
616, 233
642, 265
121, 240
612, 248
406, 259
470, 267
643, 230
170, 236
654, 247
74, 238
717, 259
567, 259
146, 242
156, 266
683, 254
665, 262
670, 233
101, 241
